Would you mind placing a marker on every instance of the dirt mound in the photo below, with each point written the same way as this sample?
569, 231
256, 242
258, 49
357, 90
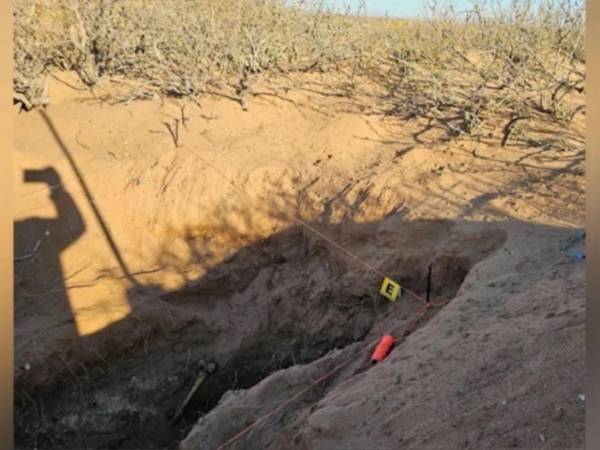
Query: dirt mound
286, 300
477, 375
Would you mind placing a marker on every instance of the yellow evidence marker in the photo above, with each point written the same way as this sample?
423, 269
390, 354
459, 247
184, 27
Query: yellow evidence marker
390, 289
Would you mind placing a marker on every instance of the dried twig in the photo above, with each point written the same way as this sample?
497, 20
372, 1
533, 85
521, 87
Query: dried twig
75, 377
508, 128
174, 132
29, 255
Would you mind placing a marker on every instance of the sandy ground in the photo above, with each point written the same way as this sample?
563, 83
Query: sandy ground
168, 255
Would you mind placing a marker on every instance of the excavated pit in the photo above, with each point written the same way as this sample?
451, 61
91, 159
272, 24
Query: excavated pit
286, 300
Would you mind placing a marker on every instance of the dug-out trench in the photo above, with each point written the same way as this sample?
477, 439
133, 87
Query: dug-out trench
285, 300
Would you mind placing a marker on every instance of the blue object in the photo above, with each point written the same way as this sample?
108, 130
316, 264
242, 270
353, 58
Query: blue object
575, 254
578, 256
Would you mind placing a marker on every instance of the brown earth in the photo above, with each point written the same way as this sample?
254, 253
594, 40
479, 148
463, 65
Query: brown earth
197, 253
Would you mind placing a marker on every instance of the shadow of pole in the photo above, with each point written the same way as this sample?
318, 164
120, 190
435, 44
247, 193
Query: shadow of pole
90, 198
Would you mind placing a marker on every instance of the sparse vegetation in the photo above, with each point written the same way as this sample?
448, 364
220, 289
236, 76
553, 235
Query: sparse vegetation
518, 62
461, 71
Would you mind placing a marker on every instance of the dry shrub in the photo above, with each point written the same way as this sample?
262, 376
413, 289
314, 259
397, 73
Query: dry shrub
461, 70
179, 47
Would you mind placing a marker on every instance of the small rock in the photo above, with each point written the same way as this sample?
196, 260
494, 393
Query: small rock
542, 438
27, 366
581, 397
503, 402
558, 414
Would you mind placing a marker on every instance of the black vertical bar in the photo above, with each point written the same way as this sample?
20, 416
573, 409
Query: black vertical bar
428, 283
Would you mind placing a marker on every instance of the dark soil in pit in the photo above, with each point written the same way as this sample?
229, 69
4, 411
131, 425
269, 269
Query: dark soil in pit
286, 300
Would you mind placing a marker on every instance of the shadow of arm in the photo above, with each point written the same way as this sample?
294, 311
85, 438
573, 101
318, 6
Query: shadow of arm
69, 217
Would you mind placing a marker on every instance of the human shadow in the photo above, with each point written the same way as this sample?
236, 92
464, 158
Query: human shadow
38, 244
